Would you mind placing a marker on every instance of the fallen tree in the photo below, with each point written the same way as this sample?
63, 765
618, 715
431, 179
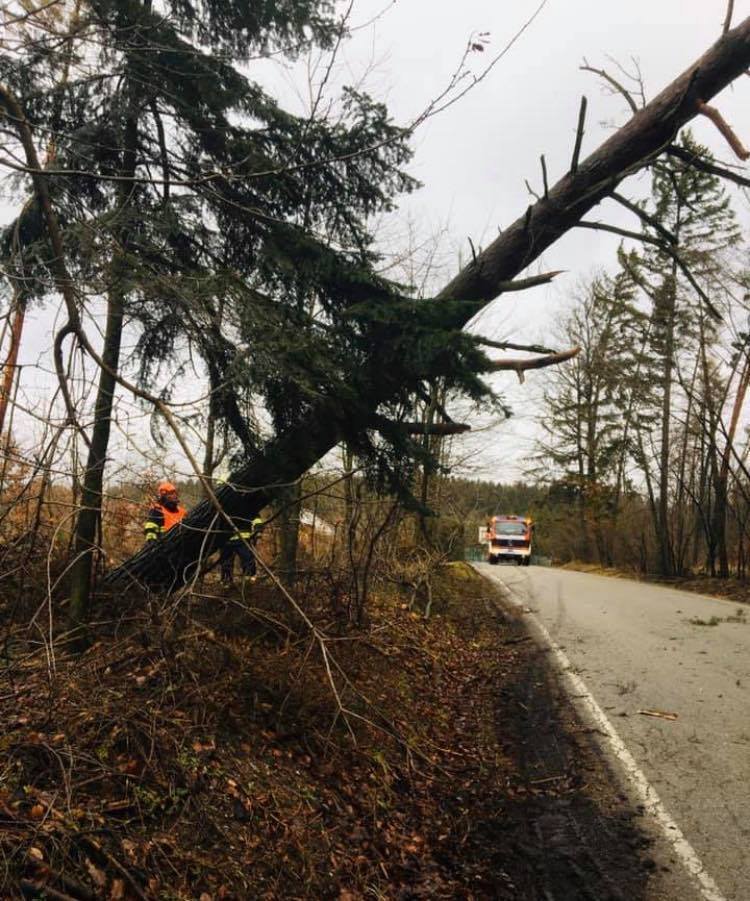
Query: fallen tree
290, 454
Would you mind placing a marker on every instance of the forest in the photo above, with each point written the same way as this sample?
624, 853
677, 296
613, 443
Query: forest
251, 660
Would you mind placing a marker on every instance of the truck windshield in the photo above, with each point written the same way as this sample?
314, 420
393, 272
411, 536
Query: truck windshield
510, 528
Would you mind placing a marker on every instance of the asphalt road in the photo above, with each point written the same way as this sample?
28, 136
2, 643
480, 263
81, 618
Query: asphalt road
645, 647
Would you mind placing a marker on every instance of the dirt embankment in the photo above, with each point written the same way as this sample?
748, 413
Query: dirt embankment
203, 755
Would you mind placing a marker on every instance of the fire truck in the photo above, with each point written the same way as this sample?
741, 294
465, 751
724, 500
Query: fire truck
509, 538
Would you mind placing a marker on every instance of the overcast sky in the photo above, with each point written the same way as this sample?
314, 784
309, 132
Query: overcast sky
474, 156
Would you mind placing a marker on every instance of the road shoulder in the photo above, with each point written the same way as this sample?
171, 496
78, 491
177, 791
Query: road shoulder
609, 786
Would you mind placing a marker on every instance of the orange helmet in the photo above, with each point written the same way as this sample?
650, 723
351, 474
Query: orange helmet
166, 488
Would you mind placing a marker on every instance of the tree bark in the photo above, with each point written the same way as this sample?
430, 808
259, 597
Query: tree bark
721, 494
89, 516
85, 546
663, 525
290, 454
10, 366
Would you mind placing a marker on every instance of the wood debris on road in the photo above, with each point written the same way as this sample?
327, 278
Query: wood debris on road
659, 713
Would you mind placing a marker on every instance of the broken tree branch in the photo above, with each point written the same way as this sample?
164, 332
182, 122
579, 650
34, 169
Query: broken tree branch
725, 129
579, 136
520, 366
523, 284
534, 362
728, 17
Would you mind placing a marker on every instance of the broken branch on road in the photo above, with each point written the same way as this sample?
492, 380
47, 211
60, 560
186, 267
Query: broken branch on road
661, 714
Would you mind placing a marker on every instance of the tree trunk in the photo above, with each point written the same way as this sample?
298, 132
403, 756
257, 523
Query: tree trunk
84, 547
722, 480
685, 528
89, 517
10, 367
347, 459
289, 532
428, 447
664, 531
290, 454
208, 456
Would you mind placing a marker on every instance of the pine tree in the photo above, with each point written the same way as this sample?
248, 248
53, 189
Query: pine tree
679, 273
584, 414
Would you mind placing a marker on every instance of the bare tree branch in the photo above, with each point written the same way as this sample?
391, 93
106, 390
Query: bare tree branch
544, 176
645, 217
602, 73
531, 190
435, 428
623, 232
698, 162
509, 345
667, 248
579, 136
728, 17
30, 14
521, 366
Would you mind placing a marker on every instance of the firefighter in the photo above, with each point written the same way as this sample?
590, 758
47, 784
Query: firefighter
166, 512
242, 544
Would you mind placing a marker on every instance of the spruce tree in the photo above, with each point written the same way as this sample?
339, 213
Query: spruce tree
680, 275
584, 415
185, 188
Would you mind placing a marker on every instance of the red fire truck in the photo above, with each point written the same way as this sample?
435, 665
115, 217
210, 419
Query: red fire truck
509, 538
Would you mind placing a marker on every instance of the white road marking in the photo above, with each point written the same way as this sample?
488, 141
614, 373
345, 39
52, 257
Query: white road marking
642, 788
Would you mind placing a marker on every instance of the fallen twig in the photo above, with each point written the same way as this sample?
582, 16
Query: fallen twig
661, 714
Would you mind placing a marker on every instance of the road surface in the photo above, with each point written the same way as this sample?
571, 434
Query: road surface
635, 647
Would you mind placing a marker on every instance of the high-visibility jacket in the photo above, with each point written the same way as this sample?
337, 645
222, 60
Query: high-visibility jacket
161, 519
248, 530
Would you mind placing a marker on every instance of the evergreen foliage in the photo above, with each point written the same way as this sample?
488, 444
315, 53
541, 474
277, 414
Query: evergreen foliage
249, 227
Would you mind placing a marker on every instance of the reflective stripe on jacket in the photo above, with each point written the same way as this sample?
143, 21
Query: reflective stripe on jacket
248, 535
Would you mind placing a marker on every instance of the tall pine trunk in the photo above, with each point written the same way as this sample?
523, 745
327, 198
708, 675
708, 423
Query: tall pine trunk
721, 499
663, 531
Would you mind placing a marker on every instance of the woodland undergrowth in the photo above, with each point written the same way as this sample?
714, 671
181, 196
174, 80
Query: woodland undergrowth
200, 751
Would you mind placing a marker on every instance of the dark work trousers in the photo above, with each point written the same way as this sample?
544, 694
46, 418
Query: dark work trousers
226, 559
